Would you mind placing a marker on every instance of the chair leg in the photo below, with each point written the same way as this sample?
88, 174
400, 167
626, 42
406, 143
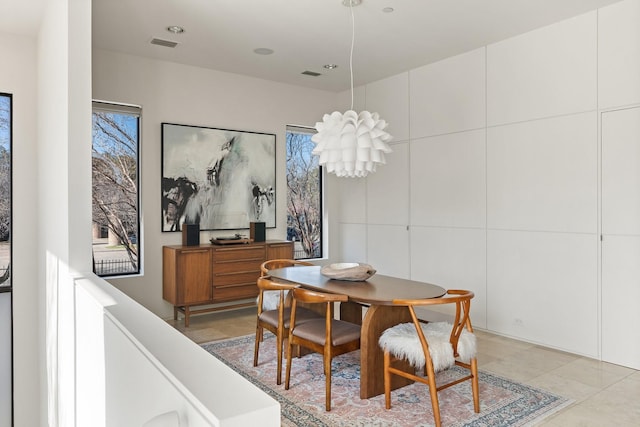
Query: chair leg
387, 380
288, 370
433, 391
474, 385
279, 345
257, 345
327, 375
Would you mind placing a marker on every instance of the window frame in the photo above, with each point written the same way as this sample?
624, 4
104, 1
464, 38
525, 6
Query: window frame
321, 186
9, 288
132, 110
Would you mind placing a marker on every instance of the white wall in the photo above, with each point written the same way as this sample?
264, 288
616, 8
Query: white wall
5, 359
64, 214
175, 93
500, 150
18, 77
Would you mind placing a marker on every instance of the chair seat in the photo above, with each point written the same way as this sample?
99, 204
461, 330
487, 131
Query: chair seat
315, 330
302, 316
403, 343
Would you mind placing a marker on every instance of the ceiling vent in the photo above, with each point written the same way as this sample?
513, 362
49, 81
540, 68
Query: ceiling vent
311, 73
165, 43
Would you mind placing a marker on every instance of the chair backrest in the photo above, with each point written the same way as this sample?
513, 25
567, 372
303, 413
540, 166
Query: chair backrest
280, 263
462, 301
312, 297
266, 284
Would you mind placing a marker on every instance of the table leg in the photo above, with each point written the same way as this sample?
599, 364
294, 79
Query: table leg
351, 312
377, 319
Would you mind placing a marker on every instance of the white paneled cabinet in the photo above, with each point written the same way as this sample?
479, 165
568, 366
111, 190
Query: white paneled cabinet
511, 179
454, 258
449, 95
547, 72
621, 236
352, 204
542, 175
543, 288
448, 185
620, 296
621, 172
353, 243
388, 249
390, 98
388, 189
619, 54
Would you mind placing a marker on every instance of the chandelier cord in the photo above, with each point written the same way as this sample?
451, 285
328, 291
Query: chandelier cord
353, 38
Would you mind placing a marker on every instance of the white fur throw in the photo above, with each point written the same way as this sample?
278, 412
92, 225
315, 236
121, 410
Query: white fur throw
271, 299
402, 341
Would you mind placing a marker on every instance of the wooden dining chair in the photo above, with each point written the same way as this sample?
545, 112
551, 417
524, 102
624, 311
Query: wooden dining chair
433, 347
327, 336
276, 320
270, 298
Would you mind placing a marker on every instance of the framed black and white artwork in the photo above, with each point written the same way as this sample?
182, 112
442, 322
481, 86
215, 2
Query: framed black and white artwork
220, 179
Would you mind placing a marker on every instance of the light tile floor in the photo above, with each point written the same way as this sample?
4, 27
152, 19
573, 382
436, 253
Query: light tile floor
604, 394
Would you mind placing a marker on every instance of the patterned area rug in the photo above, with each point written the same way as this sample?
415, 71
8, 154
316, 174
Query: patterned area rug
502, 402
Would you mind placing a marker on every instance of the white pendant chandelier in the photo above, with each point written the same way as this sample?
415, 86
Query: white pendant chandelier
351, 144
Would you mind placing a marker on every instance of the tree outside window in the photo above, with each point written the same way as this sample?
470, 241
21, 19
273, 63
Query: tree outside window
115, 198
304, 194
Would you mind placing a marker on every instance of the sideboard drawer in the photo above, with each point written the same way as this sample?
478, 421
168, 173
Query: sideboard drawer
234, 292
239, 252
223, 268
243, 277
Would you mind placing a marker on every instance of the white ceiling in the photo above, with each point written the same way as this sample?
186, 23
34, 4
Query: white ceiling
306, 34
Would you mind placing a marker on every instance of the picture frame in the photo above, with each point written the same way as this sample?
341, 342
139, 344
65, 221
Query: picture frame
221, 179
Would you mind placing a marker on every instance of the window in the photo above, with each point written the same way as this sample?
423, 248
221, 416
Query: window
6, 315
304, 194
5, 192
115, 183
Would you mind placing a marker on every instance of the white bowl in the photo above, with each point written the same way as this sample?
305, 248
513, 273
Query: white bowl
352, 271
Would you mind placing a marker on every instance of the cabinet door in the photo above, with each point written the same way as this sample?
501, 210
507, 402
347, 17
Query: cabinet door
621, 237
280, 250
194, 271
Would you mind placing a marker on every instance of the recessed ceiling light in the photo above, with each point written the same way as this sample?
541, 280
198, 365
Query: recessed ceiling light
330, 66
387, 10
175, 29
263, 51
350, 3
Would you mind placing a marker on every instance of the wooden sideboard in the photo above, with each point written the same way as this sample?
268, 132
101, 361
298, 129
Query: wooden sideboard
223, 275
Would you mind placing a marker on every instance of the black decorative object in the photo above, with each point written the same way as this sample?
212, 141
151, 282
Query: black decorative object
257, 231
190, 234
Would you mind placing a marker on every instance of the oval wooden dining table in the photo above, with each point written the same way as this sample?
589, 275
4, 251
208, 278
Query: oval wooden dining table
377, 294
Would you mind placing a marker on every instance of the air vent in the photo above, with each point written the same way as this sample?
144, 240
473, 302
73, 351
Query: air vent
165, 43
311, 73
